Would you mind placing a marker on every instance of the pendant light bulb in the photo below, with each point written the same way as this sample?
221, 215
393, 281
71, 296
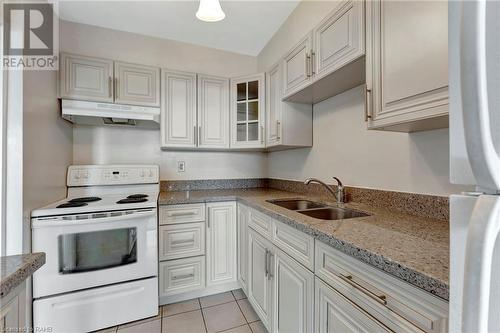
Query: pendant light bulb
210, 11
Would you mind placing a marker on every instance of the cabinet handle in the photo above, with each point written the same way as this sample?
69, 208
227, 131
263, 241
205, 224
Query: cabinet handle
269, 264
308, 61
184, 276
176, 214
110, 86
116, 87
208, 217
379, 298
278, 128
185, 241
195, 136
313, 62
265, 264
262, 134
199, 134
367, 112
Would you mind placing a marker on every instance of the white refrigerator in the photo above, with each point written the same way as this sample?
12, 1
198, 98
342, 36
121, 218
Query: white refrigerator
474, 73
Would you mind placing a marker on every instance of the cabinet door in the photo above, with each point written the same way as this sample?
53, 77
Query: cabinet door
339, 38
247, 112
335, 313
243, 246
407, 64
86, 78
259, 282
178, 110
293, 295
221, 243
297, 70
137, 84
213, 112
9, 316
273, 106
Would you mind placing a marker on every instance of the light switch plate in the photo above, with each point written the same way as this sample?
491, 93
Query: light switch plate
181, 166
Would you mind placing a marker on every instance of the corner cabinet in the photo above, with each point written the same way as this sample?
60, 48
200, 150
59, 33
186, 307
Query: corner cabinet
247, 112
288, 125
407, 65
178, 111
329, 59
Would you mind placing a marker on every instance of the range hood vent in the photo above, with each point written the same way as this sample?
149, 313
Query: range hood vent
108, 114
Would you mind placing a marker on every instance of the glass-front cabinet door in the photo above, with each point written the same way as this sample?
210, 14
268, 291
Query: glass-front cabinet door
247, 112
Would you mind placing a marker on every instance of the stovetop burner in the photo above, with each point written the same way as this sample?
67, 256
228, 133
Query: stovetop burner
137, 196
131, 200
70, 204
85, 199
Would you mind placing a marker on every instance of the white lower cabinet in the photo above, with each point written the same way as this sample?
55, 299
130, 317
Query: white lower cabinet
221, 243
336, 314
293, 295
182, 275
242, 226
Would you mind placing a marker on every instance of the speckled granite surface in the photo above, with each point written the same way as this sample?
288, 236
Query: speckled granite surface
15, 269
412, 248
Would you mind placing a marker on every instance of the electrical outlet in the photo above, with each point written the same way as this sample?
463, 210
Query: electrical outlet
181, 166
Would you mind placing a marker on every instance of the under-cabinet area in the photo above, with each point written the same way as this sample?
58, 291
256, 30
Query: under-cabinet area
293, 281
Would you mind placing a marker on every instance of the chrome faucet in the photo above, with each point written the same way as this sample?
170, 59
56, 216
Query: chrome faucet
339, 194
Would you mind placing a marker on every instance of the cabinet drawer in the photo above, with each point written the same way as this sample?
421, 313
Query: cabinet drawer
261, 223
399, 305
297, 244
182, 213
182, 275
182, 240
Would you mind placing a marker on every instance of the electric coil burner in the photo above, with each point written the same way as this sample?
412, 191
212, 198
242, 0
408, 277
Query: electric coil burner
71, 204
131, 200
137, 196
85, 199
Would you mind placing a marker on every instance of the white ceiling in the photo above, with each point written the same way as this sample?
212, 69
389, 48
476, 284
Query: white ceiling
247, 28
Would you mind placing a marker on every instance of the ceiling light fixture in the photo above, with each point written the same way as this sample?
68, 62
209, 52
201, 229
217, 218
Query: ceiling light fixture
210, 11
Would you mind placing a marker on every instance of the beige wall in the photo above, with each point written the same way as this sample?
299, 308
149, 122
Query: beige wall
343, 147
112, 145
47, 143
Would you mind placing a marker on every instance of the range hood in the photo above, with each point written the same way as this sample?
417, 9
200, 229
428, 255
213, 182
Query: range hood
106, 114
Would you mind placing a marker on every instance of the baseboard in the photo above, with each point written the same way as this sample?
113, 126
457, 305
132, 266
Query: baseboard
212, 290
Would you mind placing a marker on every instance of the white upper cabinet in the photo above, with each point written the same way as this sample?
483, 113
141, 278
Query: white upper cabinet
178, 110
339, 38
288, 125
213, 112
86, 78
407, 65
247, 112
221, 243
137, 84
297, 69
329, 60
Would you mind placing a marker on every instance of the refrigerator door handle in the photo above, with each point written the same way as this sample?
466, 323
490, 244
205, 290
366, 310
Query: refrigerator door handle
483, 156
482, 234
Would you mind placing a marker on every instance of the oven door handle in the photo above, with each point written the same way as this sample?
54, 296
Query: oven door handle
58, 221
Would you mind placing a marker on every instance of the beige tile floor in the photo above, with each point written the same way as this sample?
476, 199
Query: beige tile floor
228, 312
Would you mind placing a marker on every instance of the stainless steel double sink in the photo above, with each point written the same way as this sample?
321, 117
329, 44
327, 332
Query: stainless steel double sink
317, 210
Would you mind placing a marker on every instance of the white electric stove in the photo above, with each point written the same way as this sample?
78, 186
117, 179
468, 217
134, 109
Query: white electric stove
101, 250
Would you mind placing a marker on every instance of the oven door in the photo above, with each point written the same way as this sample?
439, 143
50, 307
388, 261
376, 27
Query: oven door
96, 249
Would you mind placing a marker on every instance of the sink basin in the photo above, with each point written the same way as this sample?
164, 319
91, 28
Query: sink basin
296, 204
333, 213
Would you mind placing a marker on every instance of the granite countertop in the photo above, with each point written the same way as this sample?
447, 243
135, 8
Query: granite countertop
411, 248
15, 269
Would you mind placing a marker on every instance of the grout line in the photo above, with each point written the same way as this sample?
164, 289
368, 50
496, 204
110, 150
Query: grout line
211, 306
232, 328
202, 317
245, 317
